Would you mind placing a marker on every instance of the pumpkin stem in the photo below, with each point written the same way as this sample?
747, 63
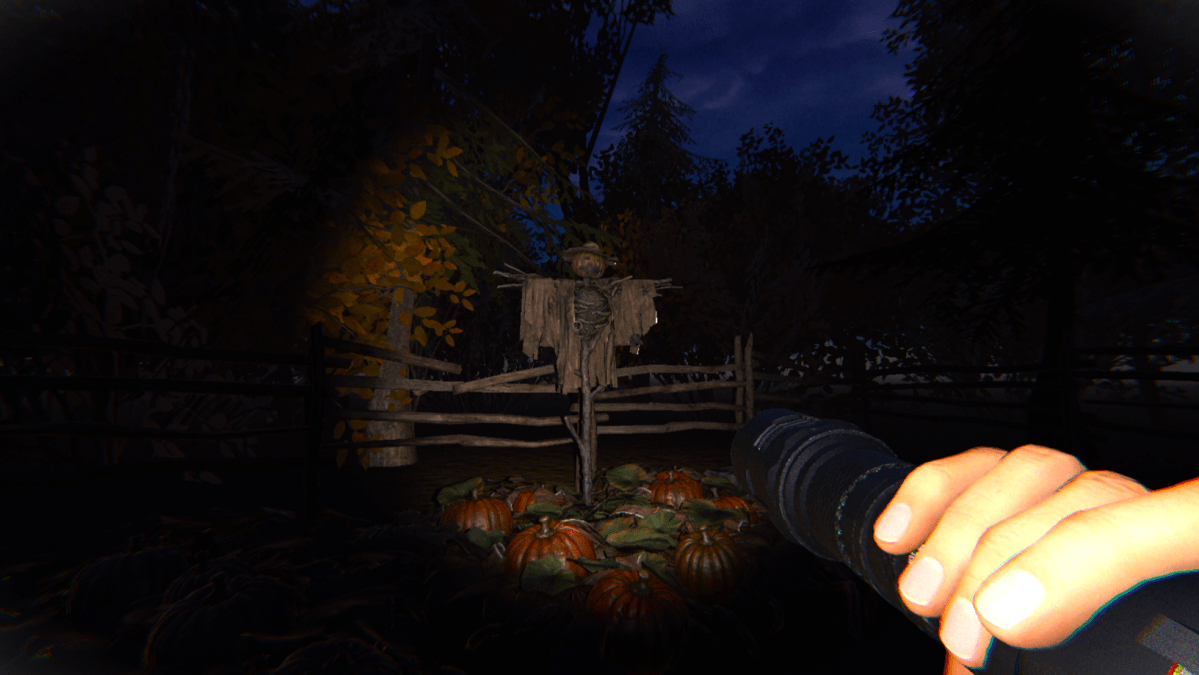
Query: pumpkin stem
545, 526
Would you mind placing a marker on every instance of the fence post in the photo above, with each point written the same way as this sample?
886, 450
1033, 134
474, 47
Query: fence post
749, 377
315, 408
867, 383
738, 375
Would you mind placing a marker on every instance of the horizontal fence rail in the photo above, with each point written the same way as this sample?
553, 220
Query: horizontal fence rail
388, 355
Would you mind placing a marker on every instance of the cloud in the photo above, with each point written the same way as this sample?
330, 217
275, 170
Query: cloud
687, 89
893, 84
759, 64
866, 23
728, 98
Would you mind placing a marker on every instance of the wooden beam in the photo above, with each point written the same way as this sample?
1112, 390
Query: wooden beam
502, 378
389, 355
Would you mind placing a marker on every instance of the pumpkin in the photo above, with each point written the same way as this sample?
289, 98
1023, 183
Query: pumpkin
488, 514
556, 538
675, 487
113, 582
731, 502
204, 628
645, 621
708, 565
529, 495
349, 655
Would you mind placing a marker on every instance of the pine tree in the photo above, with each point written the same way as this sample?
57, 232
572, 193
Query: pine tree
649, 169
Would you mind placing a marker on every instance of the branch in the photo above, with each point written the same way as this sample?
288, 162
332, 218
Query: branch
479, 225
572, 431
488, 187
458, 90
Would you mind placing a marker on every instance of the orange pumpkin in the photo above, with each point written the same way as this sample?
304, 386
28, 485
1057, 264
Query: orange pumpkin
488, 514
645, 621
674, 487
731, 502
708, 565
556, 538
529, 495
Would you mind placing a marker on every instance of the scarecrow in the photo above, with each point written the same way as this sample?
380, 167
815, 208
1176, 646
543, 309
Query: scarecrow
584, 321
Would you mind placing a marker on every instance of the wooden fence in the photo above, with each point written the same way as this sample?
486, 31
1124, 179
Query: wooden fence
505, 383
746, 400
315, 393
866, 392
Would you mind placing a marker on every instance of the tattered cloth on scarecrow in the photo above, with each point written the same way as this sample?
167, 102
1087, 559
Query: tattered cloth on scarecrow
547, 315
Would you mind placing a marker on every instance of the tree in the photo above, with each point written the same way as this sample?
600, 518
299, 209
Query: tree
759, 239
1038, 143
277, 168
649, 169
82, 252
612, 45
545, 58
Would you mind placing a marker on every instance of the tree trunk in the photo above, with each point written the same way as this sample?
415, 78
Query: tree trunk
399, 337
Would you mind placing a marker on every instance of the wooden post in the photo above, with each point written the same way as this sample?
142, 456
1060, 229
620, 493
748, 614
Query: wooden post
586, 423
593, 444
314, 410
738, 375
749, 377
578, 468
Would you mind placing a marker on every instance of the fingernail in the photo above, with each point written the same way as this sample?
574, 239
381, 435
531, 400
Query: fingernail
1010, 599
960, 630
922, 580
893, 523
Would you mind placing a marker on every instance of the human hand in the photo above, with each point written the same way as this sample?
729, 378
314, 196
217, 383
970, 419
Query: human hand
1031, 543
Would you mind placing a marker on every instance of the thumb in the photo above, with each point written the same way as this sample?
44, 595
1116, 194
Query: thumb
1045, 594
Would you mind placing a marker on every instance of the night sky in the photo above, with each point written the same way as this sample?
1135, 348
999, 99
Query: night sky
812, 69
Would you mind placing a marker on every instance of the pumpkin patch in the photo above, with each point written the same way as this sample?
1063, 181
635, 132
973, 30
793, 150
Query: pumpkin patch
632, 581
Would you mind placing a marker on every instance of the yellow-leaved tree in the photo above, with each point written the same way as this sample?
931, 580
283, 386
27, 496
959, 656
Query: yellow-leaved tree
392, 259
375, 272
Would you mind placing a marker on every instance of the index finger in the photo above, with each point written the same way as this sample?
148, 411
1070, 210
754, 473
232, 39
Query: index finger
926, 494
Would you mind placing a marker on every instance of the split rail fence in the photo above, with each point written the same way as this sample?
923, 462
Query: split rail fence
744, 381
315, 393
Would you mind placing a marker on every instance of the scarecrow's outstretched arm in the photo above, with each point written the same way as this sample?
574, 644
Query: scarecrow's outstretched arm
524, 278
